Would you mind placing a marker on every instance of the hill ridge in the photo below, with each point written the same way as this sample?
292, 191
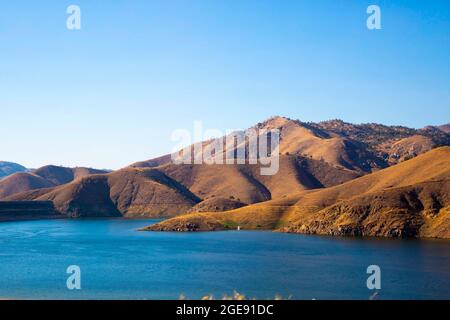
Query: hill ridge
324, 211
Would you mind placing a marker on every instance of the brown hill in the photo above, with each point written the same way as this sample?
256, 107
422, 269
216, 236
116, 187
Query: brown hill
377, 137
408, 199
359, 149
301, 139
62, 175
20, 182
337, 150
406, 148
312, 156
246, 184
171, 189
152, 162
127, 192
411, 211
44, 177
216, 204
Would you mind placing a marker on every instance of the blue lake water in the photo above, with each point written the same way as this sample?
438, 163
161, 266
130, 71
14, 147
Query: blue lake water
118, 262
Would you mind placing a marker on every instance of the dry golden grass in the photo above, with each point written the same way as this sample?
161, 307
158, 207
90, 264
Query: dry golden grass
44, 177
312, 157
409, 199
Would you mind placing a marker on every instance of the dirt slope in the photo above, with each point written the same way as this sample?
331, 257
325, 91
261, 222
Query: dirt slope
44, 177
408, 199
128, 192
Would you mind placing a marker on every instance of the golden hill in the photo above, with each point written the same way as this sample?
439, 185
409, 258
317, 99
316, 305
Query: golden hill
301, 139
245, 183
20, 182
314, 159
408, 199
44, 177
170, 189
127, 192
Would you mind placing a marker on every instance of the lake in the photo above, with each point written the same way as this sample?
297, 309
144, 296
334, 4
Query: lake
118, 262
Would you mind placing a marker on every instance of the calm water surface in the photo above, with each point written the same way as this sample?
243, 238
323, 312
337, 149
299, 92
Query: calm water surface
118, 262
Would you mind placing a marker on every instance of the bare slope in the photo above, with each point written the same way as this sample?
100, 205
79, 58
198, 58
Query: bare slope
297, 138
128, 192
20, 182
409, 199
313, 156
44, 177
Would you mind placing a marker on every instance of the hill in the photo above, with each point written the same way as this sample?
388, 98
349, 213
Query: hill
408, 199
45, 177
128, 192
172, 189
302, 139
361, 148
312, 157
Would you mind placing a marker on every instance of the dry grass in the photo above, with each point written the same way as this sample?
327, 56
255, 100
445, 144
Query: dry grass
234, 296
409, 199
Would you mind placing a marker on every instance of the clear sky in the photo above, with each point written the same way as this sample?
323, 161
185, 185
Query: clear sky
113, 92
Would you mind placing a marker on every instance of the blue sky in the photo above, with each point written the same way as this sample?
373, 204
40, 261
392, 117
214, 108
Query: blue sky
112, 93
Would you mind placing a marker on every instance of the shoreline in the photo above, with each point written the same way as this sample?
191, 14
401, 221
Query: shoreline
19, 219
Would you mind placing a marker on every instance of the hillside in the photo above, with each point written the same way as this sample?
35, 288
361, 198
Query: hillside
128, 192
45, 177
312, 157
171, 189
408, 199
360, 148
392, 144
20, 182
301, 139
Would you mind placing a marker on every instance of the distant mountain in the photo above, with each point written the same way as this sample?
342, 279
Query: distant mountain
45, 177
8, 168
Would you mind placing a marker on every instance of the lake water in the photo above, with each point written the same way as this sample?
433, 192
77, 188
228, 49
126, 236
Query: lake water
118, 262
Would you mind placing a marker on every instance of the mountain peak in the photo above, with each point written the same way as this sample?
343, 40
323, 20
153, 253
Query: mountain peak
274, 122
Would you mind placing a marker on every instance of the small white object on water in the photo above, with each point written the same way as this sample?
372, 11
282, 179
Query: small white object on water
238, 228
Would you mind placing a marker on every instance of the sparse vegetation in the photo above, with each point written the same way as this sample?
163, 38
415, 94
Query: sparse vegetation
407, 200
230, 224
333, 153
234, 296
